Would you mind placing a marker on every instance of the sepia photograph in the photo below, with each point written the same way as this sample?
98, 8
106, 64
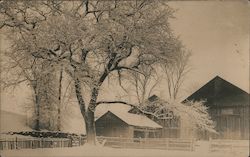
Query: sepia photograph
124, 78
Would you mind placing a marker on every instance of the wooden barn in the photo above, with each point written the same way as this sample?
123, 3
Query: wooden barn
170, 127
127, 125
228, 108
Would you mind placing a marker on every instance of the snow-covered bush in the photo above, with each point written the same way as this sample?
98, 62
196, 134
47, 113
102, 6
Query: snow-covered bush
48, 134
194, 113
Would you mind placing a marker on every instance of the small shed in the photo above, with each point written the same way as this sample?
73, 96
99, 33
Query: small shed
127, 125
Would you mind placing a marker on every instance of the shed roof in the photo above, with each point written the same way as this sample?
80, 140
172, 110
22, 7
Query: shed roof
134, 119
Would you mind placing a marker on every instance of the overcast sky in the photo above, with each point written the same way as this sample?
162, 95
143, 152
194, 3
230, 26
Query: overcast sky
216, 32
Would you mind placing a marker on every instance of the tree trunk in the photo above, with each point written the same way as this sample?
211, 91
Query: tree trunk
88, 115
90, 127
59, 101
37, 107
37, 114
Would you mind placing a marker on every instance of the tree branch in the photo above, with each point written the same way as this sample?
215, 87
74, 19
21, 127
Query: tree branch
115, 102
80, 99
129, 104
127, 68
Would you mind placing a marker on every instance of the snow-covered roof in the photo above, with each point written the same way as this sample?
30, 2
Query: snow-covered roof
134, 119
103, 108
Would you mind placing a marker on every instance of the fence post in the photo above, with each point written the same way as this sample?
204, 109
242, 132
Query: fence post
141, 142
192, 145
31, 144
41, 142
231, 145
210, 145
80, 141
51, 144
166, 141
16, 143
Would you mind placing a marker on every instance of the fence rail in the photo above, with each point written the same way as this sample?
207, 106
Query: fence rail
24, 143
117, 142
228, 145
146, 143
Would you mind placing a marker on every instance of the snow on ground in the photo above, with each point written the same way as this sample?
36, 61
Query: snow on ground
7, 136
15, 122
98, 151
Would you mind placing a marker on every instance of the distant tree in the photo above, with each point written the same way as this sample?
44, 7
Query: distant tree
38, 76
175, 72
143, 84
18, 19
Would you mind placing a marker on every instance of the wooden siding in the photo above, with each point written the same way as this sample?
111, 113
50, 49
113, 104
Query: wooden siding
231, 122
111, 126
228, 108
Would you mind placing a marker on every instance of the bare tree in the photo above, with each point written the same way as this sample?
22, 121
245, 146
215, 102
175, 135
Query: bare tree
20, 67
175, 72
144, 83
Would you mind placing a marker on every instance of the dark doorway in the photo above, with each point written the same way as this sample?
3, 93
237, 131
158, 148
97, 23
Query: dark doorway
139, 134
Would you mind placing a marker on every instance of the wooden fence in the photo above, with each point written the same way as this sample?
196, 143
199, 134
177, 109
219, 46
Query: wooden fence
117, 142
149, 143
32, 143
228, 145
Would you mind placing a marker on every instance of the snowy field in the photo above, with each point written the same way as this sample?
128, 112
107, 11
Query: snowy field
98, 151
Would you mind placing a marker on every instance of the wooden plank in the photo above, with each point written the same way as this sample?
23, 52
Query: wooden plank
156, 143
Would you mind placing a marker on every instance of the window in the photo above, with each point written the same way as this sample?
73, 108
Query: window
139, 134
227, 111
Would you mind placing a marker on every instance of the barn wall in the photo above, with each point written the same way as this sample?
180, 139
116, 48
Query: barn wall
187, 129
145, 132
231, 122
171, 128
111, 126
244, 123
130, 132
228, 107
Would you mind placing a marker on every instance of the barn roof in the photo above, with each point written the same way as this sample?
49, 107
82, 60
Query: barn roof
153, 98
220, 92
134, 119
